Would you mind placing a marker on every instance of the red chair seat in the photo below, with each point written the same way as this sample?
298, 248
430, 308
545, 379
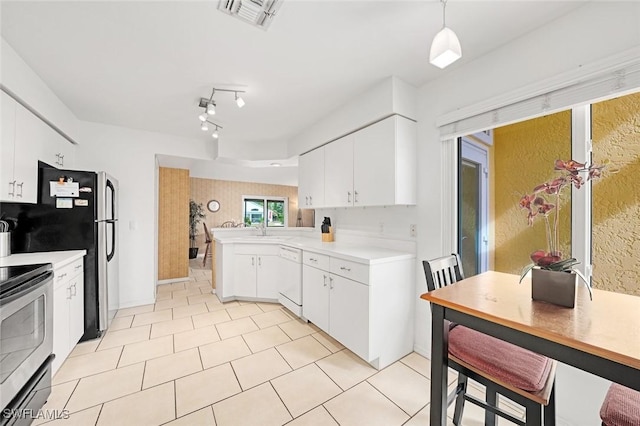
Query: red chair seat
511, 364
621, 407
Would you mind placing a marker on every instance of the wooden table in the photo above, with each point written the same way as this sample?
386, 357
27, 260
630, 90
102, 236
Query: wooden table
600, 336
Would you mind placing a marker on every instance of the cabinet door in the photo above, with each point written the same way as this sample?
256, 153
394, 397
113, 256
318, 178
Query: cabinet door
244, 275
374, 167
76, 309
269, 269
338, 172
315, 296
349, 314
311, 179
30, 134
7, 146
61, 297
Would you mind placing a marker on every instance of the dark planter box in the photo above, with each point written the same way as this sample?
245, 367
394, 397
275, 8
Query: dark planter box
554, 287
193, 252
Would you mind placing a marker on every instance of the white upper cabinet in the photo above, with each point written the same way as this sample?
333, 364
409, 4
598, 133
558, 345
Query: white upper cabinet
338, 172
384, 163
7, 186
57, 151
375, 166
311, 179
25, 140
27, 146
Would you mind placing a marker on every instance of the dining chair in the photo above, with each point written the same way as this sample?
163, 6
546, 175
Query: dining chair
524, 377
207, 241
621, 407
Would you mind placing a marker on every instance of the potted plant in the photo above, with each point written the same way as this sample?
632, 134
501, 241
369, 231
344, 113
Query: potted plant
196, 214
553, 277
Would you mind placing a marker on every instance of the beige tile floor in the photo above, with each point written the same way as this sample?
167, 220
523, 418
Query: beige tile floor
191, 360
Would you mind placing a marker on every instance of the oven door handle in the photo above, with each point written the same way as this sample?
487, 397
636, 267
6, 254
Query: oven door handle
31, 285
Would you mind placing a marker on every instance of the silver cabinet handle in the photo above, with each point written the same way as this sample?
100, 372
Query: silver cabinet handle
253, 261
324, 280
310, 200
58, 158
311, 259
355, 196
306, 200
61, 160
12, 192
74, 290
330, 283
61, 276
348, 197
69, 292
342, 268
78, 267
20, 185
259, 261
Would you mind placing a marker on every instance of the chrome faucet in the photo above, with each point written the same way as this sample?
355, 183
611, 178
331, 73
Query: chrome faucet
262, 229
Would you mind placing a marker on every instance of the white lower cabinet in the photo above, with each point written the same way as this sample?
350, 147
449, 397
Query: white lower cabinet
68, 309
255, 271
366, 307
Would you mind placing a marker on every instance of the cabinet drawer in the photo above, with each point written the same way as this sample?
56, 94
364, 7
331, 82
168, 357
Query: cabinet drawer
352, 270
67, 272
320, 261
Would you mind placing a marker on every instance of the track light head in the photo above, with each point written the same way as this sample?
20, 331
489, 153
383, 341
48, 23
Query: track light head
203, 116
211, 108
215, 134
204, 126
239, 101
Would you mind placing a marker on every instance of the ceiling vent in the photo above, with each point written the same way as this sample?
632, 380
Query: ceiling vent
258, 13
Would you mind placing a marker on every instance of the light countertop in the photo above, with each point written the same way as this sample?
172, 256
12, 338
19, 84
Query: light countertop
56, 258
353, 252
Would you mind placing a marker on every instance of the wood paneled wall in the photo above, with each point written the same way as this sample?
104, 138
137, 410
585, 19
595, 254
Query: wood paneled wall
173, 223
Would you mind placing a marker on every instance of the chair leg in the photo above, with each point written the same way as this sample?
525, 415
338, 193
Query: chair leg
204, 261
457, 414
492, 400
534, 414
550, 409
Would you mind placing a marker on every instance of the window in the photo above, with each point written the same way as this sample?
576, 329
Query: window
270, 210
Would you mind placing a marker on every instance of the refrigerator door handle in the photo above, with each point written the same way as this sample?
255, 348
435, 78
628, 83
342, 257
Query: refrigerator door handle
113, 240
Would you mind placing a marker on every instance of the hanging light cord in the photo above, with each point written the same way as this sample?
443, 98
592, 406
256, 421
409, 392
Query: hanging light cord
444, 15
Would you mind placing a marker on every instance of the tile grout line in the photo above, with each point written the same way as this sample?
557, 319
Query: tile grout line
280, 398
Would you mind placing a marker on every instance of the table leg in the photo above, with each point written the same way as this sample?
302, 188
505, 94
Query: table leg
439, 367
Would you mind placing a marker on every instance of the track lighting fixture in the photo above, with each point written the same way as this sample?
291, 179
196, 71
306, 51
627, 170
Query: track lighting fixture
239, 101
445, 48
210, 105
205, 126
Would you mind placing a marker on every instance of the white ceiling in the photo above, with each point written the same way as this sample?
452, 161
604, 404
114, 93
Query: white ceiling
144, 65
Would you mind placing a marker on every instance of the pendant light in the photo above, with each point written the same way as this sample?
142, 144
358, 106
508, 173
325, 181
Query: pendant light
445, 48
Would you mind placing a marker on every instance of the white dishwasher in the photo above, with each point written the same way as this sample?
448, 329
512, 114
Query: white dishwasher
290, 285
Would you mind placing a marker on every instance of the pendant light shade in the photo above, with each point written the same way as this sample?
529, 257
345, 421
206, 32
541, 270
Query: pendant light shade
445, 48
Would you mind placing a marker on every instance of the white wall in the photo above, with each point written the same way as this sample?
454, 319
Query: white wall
589, 34
130, 156
390, 96
21, 80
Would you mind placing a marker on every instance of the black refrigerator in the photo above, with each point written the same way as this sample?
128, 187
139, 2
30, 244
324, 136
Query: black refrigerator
76, 210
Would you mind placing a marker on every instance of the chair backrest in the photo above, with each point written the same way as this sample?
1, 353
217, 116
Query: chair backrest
442, 271
206, 233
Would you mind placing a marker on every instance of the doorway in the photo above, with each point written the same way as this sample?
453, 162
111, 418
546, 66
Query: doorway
473, 211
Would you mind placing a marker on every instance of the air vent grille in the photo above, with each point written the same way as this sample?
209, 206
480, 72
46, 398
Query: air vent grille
259, 13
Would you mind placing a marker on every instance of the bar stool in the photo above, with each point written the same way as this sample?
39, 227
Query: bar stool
621, 407
525, 377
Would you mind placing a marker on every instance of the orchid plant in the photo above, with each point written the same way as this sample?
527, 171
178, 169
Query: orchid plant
545, 202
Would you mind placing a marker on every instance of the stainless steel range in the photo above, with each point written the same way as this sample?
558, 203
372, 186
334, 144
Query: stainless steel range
26, 341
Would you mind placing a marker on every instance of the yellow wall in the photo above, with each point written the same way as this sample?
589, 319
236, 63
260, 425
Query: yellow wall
616, 197
173, 223
524, 156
